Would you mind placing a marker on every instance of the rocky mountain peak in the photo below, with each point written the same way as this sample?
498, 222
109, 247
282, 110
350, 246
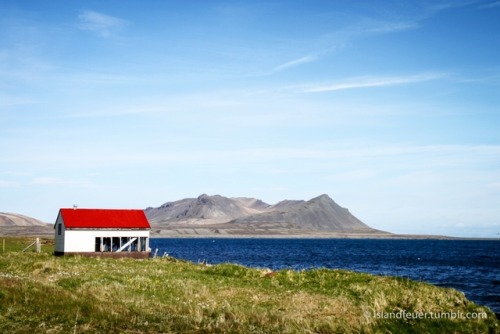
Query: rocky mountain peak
317, 214
204, 199
323, 197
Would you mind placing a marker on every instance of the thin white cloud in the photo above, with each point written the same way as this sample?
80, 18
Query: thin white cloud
445, 154
490, 5
336, 40
10, 101
494, 186
367, 82
8, 184
295, 62
94, 78
59, 181
102, 24
390, 27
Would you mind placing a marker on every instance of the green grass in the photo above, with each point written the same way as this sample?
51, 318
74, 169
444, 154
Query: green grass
40, 293
17, 244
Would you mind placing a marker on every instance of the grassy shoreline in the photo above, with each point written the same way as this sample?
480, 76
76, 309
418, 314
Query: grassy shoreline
46, 294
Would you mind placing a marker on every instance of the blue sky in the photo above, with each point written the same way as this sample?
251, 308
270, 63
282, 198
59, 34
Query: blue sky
390, 107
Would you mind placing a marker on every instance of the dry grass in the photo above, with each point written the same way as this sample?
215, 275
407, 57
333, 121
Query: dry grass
40, 293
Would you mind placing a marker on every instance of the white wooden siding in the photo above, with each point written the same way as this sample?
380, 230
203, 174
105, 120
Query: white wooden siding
84, 240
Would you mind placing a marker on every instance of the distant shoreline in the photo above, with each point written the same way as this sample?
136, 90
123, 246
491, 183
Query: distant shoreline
25, 231
318, 236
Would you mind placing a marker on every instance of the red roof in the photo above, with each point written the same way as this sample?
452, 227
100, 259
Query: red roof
104, 218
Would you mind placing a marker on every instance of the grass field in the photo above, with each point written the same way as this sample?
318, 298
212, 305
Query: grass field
40, 293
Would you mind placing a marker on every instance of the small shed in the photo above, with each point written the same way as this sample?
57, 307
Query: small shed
102, 232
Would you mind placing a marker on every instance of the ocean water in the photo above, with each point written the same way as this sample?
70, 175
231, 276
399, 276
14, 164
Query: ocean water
471, 266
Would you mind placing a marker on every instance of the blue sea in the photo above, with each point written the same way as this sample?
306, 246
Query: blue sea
471, 266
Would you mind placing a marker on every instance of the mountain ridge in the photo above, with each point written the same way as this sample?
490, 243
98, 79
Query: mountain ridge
17, 224
15, 219
319, 213
245, 215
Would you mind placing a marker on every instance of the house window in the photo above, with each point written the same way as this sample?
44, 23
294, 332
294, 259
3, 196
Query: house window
106, 244
115, 244
143, 243
124, 244
134, 245
59, 229
98, 245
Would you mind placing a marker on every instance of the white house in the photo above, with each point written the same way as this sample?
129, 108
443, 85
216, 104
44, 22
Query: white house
102, 232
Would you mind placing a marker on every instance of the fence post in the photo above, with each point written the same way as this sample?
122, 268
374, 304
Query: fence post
24, 250
38, 245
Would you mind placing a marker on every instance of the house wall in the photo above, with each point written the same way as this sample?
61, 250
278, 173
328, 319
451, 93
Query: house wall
77, 241
59, 238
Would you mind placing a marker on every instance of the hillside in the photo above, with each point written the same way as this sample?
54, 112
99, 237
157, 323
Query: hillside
320, 213
249, 216
43, 294
16, 224
204, 210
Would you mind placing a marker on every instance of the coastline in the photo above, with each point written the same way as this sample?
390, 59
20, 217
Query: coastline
388, 236
203, 233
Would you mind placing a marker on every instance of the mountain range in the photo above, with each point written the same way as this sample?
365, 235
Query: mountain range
212, 215
16, 224
239, 216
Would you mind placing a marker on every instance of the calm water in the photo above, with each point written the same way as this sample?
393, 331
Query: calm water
469, 266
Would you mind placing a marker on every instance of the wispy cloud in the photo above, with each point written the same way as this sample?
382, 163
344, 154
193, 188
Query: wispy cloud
335, 40
491, 78
10, 101
391, 27
367, 82
8, 184
295, 62
59, 181
445, 155
490, 5
93, 78
102, 24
